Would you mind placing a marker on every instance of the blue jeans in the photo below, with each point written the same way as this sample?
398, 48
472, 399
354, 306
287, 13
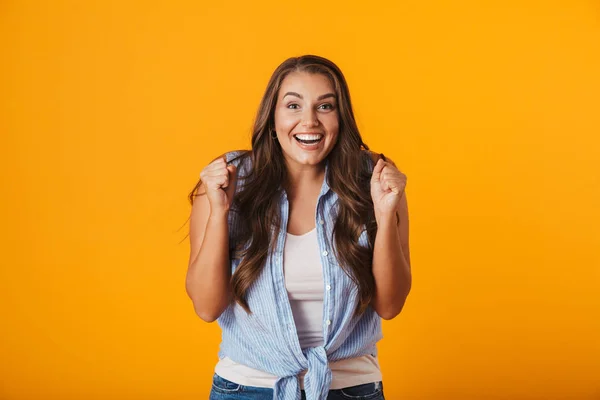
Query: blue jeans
222, 389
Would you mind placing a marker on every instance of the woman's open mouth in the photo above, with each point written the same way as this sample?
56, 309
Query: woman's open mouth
308, 139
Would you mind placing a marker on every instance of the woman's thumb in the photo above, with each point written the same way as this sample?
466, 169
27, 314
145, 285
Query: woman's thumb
232, 169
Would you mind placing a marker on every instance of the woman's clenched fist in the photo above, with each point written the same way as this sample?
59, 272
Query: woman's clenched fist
219, 181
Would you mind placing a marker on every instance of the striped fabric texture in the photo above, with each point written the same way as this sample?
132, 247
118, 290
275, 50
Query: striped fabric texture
267, 338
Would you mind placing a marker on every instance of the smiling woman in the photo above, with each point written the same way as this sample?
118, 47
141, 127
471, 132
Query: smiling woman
312, 122
299, 246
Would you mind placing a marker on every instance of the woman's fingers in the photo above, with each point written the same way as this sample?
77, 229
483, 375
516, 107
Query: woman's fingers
376, 177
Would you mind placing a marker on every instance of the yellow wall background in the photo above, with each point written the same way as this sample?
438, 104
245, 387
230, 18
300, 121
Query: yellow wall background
109, 110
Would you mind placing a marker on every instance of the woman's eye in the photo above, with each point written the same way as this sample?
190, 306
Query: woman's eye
293, 106
327, 106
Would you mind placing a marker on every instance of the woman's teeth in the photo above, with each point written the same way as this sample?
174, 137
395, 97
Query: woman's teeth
308, 139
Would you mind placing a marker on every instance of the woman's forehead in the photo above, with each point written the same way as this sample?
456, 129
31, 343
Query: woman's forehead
306, 83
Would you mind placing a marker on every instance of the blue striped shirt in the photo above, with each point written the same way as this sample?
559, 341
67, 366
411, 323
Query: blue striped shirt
267, 339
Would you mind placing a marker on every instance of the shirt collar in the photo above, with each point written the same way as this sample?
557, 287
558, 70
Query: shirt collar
325, 186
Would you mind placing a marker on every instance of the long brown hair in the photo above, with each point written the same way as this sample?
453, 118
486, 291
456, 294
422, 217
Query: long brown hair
257, 202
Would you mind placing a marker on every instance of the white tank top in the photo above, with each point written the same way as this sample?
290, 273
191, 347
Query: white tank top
304, 283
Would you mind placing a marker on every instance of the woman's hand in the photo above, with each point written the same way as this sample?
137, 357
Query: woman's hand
219, 181
387, 188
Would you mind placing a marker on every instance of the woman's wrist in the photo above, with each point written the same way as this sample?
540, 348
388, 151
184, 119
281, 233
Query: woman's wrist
386, 219
218, 216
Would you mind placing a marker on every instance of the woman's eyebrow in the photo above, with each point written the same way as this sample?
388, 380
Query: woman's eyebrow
324, 96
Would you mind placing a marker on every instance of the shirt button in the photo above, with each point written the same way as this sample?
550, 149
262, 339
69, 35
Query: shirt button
325, 253
328, 322
328, 287
322, 222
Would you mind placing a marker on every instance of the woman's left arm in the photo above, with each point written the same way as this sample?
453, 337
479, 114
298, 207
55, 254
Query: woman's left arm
391, 255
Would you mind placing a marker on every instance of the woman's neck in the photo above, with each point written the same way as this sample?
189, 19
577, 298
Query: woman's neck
304, 178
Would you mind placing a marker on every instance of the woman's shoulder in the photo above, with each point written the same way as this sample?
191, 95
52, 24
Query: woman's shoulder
236, 156
241, 159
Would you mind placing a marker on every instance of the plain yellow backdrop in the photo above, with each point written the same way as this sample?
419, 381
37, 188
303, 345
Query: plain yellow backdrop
109, 111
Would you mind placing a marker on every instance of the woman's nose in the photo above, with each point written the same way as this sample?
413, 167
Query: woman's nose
310, 119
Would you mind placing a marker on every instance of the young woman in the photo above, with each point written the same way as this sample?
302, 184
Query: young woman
299, 246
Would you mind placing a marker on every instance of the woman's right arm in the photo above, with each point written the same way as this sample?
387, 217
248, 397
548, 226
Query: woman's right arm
209, 271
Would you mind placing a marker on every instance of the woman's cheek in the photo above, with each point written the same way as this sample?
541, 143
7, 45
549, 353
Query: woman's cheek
285, 124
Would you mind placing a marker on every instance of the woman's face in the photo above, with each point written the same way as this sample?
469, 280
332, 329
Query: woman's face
306, 118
